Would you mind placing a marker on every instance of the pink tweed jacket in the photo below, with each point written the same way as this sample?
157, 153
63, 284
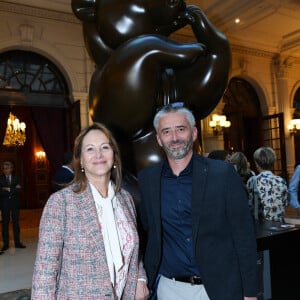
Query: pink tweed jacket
70, 260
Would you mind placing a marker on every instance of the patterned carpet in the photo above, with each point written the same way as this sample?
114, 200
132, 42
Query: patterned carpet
16, 295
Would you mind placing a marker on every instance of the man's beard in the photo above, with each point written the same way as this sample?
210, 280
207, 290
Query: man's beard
179, 152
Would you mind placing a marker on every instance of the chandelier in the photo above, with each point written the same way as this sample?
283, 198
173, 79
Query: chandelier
218, 123
15, 132
294, 127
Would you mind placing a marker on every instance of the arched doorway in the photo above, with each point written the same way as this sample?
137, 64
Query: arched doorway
34, 89
242, 108
249, 128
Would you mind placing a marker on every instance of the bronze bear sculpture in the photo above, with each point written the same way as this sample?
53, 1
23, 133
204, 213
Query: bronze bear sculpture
140, 68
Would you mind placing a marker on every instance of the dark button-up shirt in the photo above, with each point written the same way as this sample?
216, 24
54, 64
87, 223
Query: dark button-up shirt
176, 197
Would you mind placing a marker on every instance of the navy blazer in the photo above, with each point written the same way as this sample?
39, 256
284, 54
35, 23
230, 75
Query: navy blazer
222, 227
62, 177
10, 199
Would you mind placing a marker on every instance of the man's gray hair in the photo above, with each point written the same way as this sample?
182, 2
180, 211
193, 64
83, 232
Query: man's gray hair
171, 108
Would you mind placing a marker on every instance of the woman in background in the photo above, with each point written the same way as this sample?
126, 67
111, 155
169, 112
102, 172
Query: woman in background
241, 164
88, 244
268, 194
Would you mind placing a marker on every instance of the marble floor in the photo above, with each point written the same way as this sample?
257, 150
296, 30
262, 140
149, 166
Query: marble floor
16, 265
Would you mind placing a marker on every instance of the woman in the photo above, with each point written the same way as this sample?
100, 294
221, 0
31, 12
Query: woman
268, 193
88, 240
241, 164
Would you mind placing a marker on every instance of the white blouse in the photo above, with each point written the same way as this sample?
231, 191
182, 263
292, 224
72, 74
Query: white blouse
117, 236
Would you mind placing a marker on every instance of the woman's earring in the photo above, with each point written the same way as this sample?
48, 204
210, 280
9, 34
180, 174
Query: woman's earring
82, 169
114, 166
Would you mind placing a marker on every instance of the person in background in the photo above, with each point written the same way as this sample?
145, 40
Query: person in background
201, 241
220, 155
241, 164
88, 245
294, 190
65, 173
10, 188
268, 193
250, 171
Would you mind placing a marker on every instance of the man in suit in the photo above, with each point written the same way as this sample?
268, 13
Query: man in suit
10, 187
201, 240
65, 173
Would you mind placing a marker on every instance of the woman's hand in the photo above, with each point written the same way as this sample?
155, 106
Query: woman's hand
142, 291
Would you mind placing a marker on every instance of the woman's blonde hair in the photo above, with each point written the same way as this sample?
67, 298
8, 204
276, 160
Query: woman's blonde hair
240, 161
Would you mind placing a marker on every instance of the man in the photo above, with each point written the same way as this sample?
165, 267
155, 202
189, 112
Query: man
10, 188
201, 240
294, 190
65, 173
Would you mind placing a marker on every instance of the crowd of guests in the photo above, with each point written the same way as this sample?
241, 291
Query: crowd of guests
267, 193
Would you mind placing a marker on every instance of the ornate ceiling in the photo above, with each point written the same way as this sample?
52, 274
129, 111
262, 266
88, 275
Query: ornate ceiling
269, 25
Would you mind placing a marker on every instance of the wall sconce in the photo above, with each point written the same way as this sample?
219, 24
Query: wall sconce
40, 157
294, 127
218, 123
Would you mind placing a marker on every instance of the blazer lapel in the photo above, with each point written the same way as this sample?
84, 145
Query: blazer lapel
89, 218
200, 172
155, 179
12, 180
91, 227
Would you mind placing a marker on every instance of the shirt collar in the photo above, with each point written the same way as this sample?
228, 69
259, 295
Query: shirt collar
167, 171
